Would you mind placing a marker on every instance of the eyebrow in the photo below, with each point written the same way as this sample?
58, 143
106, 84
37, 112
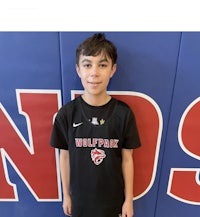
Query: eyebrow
103, 60
87, 60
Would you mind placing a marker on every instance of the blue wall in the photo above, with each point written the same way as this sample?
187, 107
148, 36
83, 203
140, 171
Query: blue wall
160, 68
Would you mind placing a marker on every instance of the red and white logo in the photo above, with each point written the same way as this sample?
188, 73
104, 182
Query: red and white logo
97, 156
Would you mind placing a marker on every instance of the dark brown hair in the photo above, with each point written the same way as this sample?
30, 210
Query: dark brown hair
95, 45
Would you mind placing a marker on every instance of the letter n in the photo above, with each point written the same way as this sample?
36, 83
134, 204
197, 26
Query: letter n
34, 161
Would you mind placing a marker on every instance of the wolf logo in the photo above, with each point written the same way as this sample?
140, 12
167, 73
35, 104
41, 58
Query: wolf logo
97, 156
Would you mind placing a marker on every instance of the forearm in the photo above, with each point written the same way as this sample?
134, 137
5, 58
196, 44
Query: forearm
65, 171
127, 168
65, 177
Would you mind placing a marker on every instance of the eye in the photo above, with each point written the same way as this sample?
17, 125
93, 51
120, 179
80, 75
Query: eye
87, 65
103, 65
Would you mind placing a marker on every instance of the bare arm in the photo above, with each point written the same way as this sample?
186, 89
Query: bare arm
65, 177
127, 168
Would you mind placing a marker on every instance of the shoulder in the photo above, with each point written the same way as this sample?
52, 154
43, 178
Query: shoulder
121, 105
123, 111
68, 108
70, 105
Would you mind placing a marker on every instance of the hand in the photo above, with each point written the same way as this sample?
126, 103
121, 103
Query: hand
67, 205
127, 209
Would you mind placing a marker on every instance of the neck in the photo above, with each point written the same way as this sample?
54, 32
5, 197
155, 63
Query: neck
96, 100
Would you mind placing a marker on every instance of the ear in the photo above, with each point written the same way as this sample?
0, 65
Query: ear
113, 70
78, 70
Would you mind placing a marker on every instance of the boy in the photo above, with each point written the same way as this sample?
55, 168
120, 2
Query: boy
96, 134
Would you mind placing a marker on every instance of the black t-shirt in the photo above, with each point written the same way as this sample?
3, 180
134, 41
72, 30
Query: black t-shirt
98, 115
95, 137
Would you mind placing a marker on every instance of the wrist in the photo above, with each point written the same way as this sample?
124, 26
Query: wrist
129, 198
66, 194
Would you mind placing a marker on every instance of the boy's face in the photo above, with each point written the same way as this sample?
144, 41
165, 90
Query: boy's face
95, 73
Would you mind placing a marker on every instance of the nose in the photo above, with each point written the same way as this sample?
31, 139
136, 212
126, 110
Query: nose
94, 71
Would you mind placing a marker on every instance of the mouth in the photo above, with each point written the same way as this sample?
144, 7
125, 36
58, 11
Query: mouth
94, 83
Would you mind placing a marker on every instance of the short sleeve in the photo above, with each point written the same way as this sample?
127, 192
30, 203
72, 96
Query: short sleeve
59, 138
131, 136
